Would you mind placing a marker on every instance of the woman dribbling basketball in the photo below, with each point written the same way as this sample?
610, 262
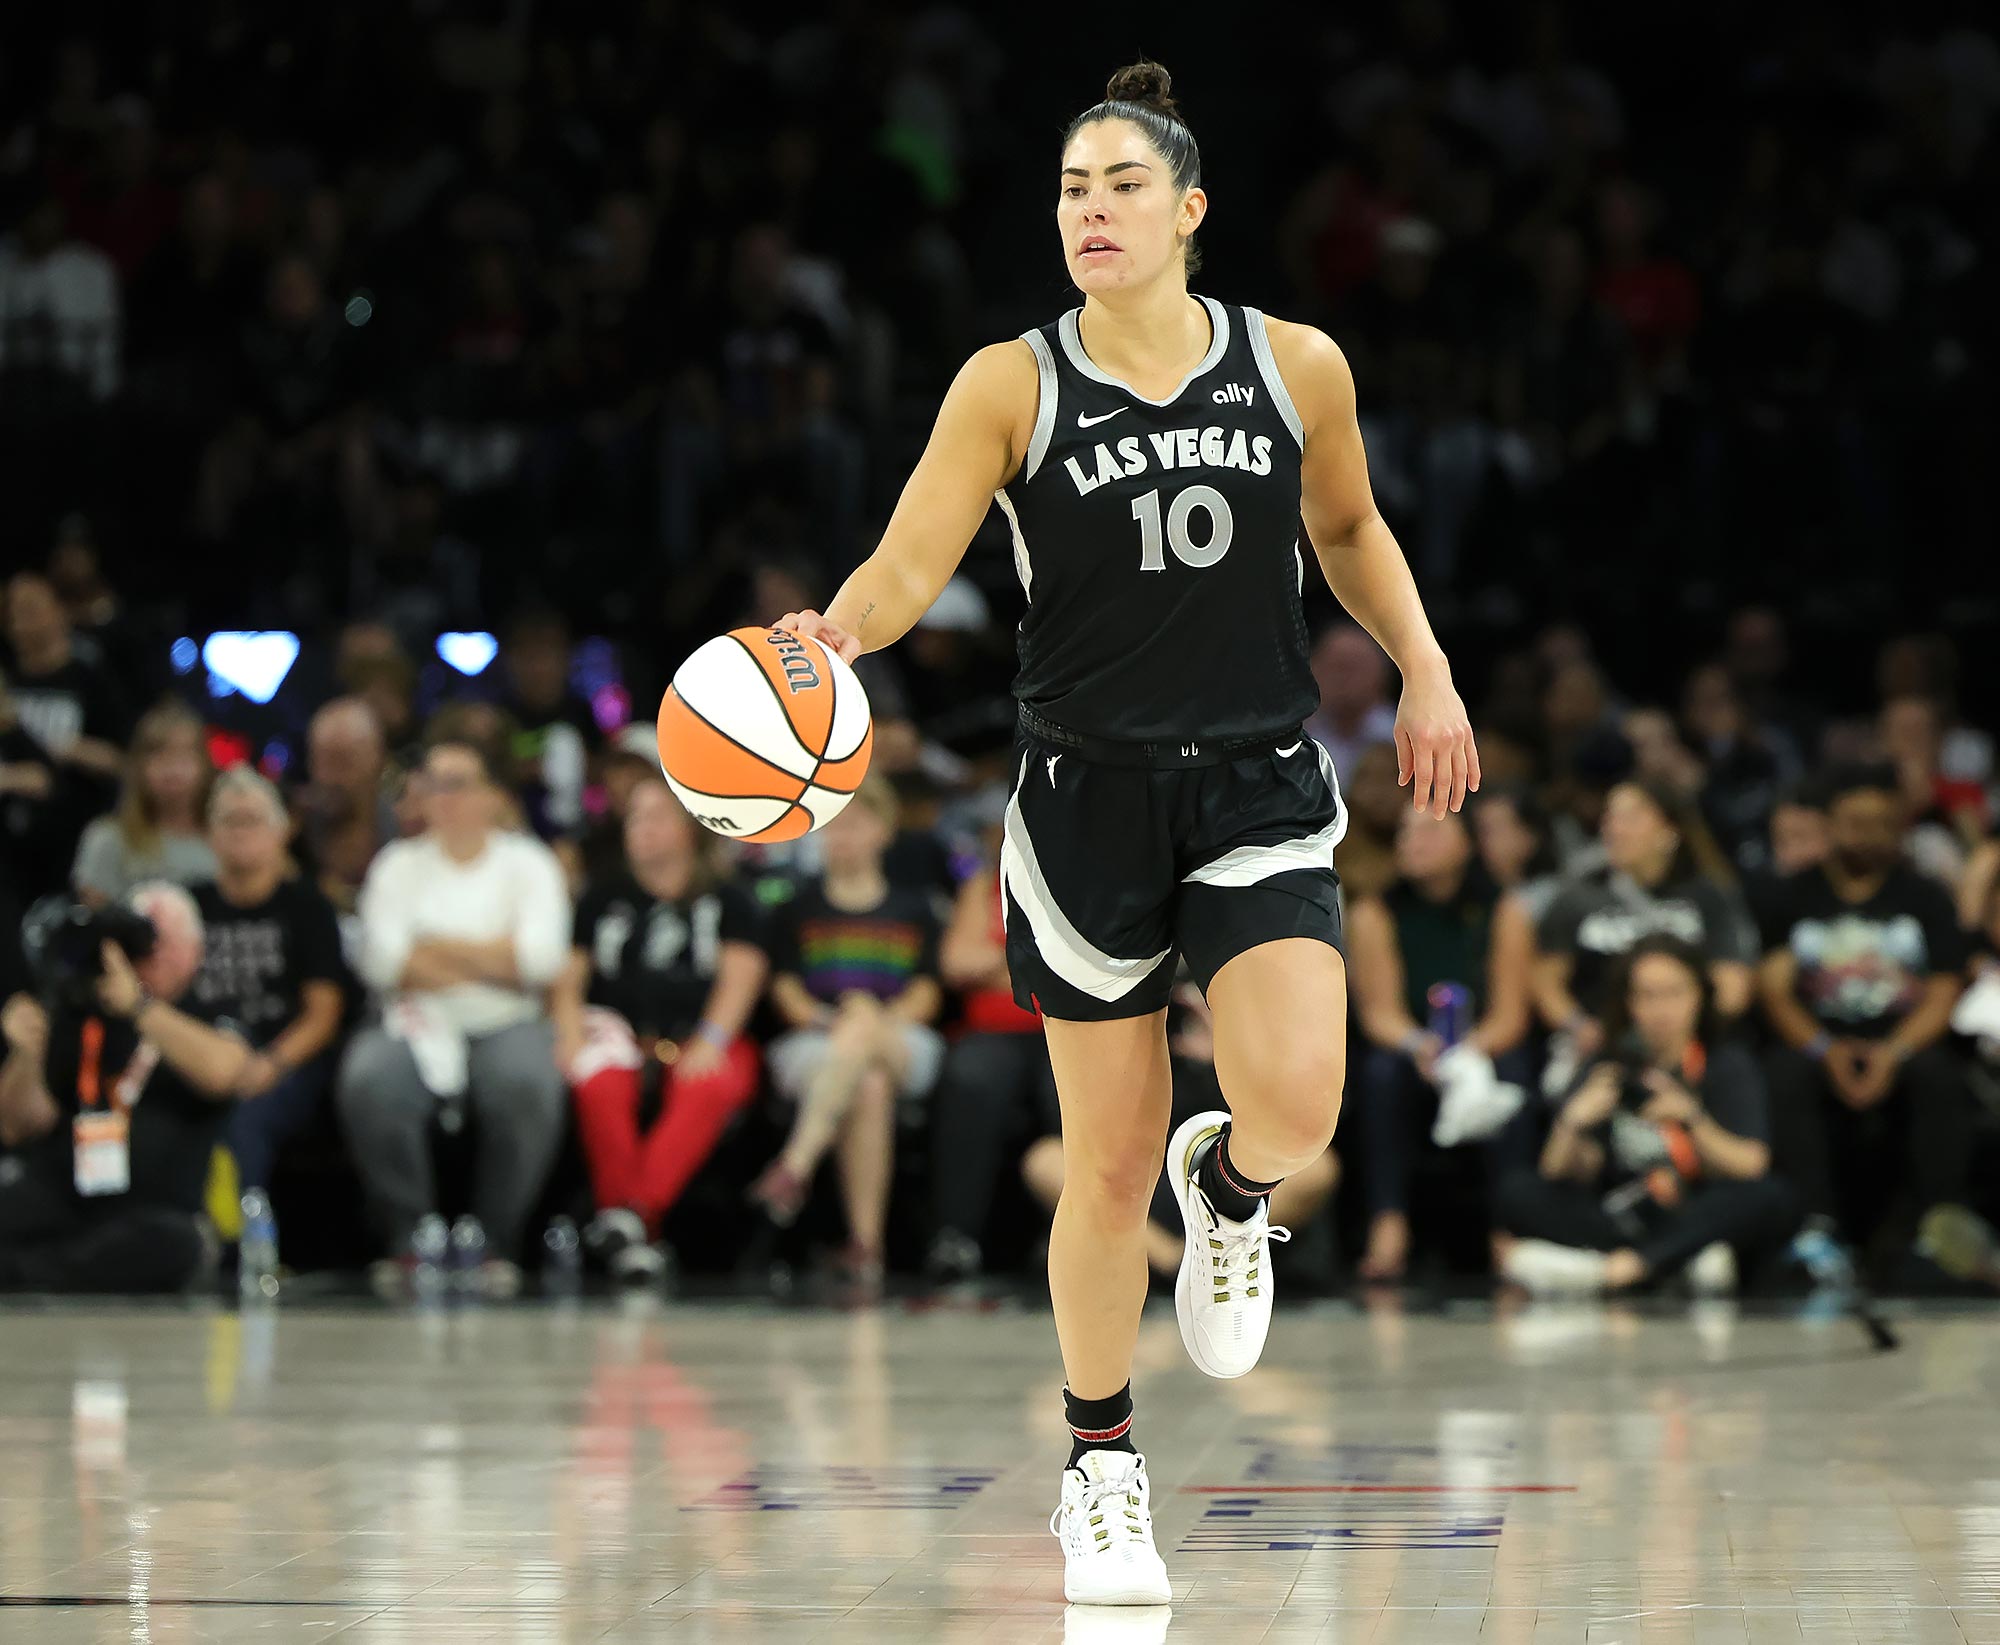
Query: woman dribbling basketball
1153, 452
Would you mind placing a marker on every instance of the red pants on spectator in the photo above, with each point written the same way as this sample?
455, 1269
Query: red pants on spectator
648, 1173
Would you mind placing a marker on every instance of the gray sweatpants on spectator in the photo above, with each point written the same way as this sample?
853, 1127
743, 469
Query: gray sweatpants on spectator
516, 1100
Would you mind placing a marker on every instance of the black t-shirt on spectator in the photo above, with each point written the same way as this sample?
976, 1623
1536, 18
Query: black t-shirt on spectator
77, 699
1862, 966
174, 1127
838, 951
1598, 919
653, 961
256, 961
38, 832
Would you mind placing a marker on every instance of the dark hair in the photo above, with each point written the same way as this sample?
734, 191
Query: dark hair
1858, 777
1142, 92
461, 742
1533, 816
1697, 853
1806, 793
1618, 1004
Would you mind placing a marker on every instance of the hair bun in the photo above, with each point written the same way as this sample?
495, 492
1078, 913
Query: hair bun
1143, 82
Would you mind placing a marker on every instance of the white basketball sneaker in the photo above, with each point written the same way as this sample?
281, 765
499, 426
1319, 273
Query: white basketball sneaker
1223, 1294
1105, 1525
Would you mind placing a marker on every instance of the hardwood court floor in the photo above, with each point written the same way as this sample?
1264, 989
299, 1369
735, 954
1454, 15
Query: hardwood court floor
748, 1473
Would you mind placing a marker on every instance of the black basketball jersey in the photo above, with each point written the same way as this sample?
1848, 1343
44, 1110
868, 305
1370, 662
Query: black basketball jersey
1157, 541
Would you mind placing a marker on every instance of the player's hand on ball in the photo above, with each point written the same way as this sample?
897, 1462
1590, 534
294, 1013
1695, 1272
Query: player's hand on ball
1435, 753
815, 627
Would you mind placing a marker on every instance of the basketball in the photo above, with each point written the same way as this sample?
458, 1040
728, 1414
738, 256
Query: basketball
765, 735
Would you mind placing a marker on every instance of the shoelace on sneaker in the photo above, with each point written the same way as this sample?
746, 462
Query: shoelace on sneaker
1236, 1259
1105, 1506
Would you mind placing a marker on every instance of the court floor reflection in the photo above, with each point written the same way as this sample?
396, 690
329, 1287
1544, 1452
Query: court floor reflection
738, 1472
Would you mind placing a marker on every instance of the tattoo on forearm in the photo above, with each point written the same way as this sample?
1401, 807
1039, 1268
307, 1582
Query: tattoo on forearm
862, 620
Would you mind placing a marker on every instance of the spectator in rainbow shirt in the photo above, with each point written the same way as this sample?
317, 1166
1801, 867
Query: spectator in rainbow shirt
854, 965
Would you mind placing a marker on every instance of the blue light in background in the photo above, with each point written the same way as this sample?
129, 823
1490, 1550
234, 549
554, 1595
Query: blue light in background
185, 655
254, 662
470, 654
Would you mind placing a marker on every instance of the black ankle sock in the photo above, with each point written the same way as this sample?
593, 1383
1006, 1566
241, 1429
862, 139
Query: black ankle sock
1233, 1195
1099, 1424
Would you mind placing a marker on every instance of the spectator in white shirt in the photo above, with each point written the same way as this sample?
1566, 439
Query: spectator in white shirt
462, 931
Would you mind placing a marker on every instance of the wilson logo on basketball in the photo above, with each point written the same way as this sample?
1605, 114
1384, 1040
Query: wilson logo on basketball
800, 675
764, 736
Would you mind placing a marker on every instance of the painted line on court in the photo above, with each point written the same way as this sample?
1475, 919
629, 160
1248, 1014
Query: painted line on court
1435, 1490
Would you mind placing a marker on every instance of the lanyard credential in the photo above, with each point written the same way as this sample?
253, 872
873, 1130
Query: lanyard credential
103, 1132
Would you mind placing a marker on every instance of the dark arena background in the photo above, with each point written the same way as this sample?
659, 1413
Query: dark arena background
391, 397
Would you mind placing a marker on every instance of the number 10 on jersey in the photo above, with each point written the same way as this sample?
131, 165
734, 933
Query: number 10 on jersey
1221, 526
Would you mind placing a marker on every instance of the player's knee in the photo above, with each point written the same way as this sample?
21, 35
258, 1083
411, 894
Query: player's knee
1114, 1188
1295, 1094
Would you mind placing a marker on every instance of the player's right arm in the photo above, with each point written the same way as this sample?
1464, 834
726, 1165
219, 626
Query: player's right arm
982, 430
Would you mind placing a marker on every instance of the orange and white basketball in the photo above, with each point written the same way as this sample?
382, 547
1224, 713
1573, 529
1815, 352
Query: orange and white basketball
765, 735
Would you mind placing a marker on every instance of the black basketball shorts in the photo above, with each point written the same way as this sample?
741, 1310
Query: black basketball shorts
1109, 870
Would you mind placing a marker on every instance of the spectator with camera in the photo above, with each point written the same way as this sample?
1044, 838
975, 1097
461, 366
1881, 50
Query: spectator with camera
665, 971
854, 961
1864, 962
1439, 961
112, 1098
158, 830
1661, 875
462, 931
1659, 1156
271, 965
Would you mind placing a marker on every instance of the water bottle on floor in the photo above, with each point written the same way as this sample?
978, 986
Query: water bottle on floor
430, 1247
257, 1251
562, 1259
468, 1256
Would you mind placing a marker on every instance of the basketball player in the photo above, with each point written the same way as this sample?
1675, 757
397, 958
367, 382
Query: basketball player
1152, 452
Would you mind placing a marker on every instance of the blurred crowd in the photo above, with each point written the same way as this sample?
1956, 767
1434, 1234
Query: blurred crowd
422, 313
604, 331
1709, 988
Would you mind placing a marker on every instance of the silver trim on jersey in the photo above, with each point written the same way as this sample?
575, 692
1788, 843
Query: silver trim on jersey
1023, 567
1250, 864
1065, 950
1072, 342
1267, 368
1045, 408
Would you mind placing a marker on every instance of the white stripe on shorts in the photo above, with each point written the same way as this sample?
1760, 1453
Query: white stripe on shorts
1067, 951
1248, 864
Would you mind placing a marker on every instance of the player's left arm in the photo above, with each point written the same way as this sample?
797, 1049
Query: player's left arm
1366, 570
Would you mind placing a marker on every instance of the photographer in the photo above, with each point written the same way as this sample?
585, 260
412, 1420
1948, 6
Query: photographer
1659, 1151
111, 1102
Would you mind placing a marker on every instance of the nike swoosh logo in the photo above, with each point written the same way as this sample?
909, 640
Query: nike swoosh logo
1287, 753
1091, 422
